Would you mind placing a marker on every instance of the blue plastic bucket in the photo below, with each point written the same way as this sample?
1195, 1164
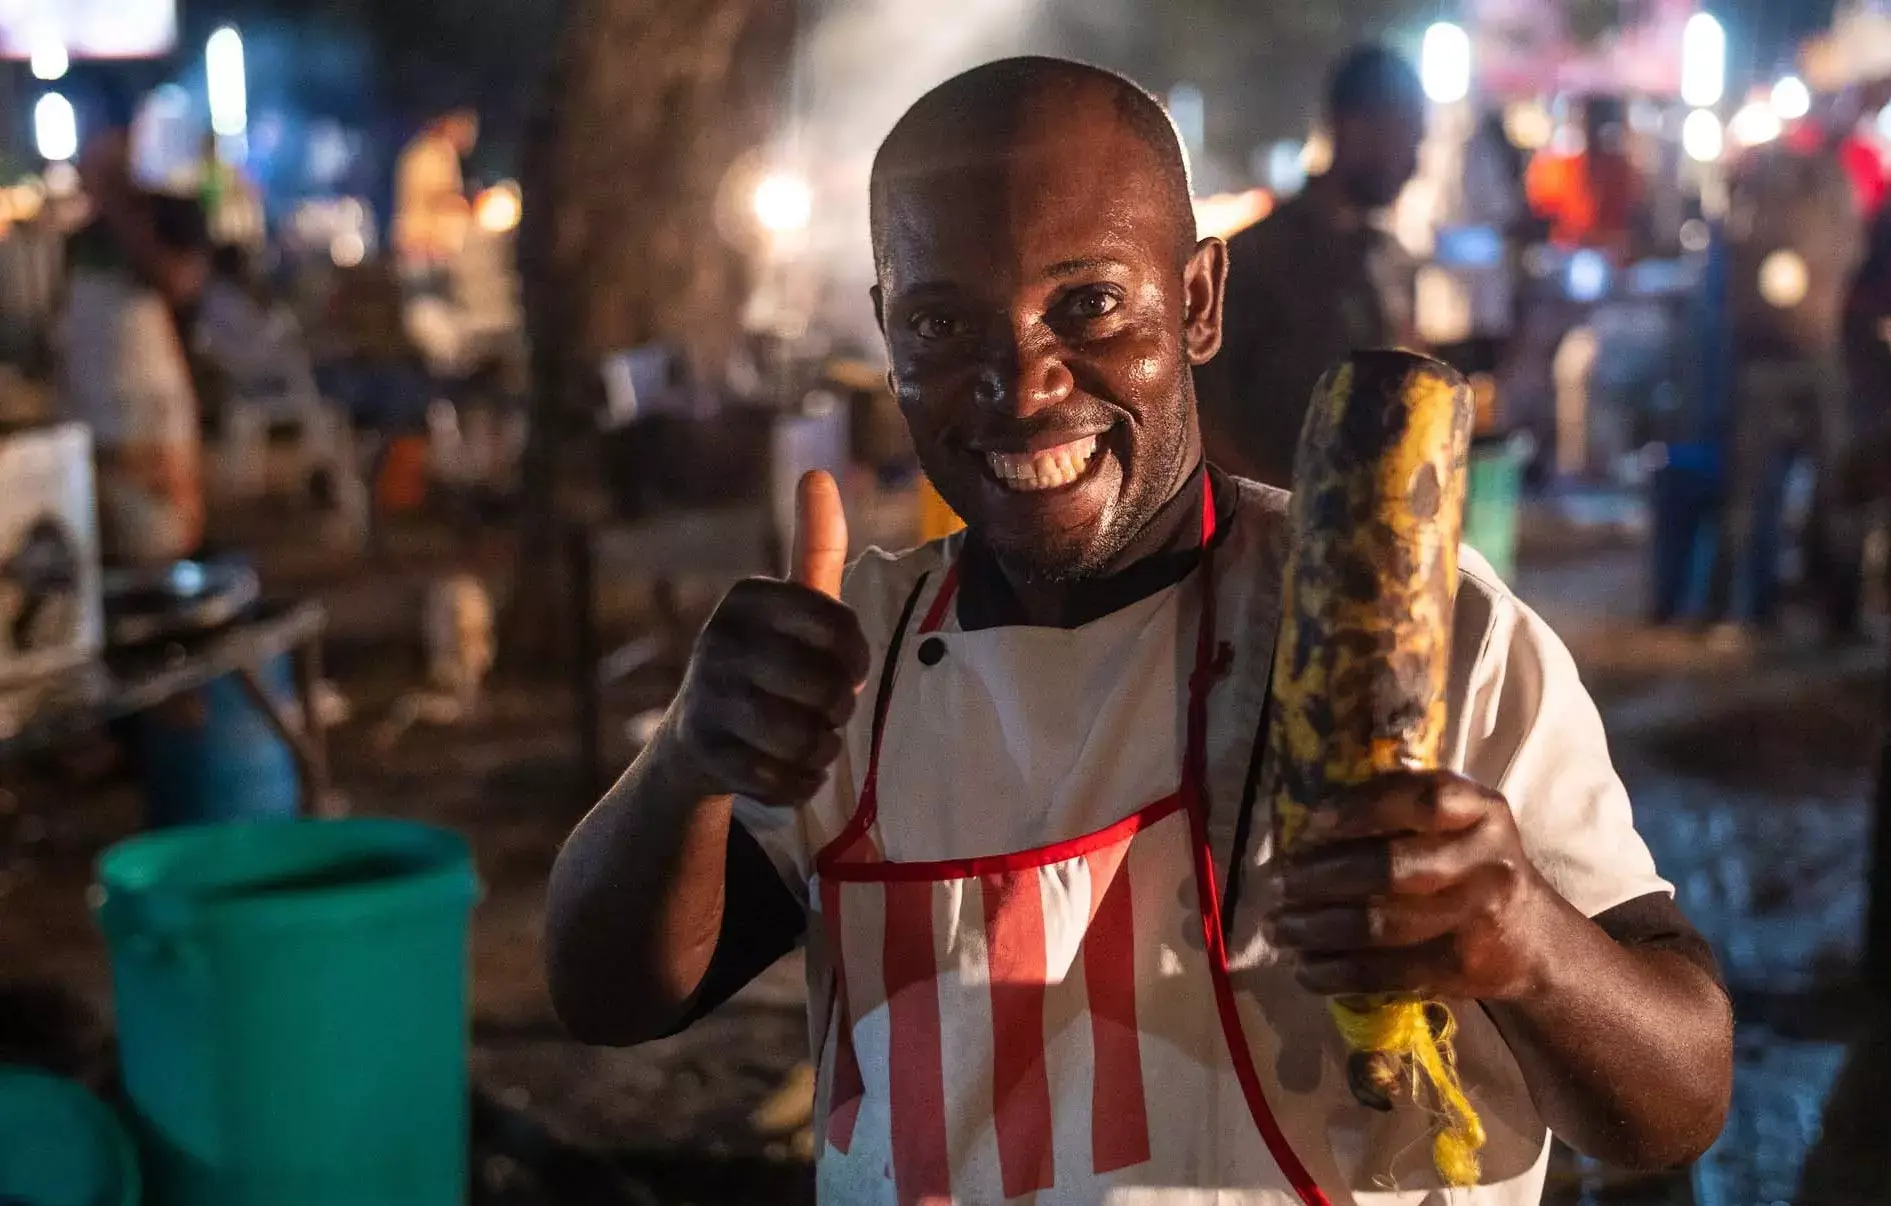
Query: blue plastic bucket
292, 1005
1493, 498
61, 1146
213, 756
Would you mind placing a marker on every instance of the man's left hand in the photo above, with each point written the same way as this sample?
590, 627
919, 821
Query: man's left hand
1414, 883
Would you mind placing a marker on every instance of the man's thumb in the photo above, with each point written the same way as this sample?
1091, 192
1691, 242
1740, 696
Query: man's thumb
820, 534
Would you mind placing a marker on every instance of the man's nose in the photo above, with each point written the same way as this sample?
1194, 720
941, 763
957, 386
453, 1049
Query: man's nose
1023, 376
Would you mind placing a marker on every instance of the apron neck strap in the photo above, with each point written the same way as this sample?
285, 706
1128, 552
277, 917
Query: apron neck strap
1208, 665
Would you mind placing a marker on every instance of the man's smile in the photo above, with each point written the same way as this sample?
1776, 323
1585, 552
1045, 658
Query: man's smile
1051, 468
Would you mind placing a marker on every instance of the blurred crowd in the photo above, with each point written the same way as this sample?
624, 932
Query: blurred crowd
1628, 313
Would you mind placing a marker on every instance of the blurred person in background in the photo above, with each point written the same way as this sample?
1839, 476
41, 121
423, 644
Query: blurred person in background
1320, 277
135, 277
1488, 221
1862, 479
1591, 197
1794, 237
1835, 127
431, 211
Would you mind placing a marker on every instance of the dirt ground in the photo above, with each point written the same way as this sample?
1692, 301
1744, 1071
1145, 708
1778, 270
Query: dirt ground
1750, 771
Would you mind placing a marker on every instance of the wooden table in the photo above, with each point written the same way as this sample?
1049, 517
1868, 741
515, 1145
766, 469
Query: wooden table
49, 711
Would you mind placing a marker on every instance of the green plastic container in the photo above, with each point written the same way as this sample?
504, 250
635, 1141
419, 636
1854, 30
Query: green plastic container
61, 1146
1492, 498
292, 1011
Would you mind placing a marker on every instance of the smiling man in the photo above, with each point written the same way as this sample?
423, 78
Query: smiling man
1003, 785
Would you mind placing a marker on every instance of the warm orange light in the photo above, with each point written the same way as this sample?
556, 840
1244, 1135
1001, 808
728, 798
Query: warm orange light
498, 208
1226, 214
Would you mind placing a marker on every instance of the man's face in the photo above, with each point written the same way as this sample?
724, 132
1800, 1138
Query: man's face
1041, 313
1376, 152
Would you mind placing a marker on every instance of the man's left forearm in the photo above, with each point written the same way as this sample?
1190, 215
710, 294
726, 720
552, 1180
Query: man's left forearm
1628, 1051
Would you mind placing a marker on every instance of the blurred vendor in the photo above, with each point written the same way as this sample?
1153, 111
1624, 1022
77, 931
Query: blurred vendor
136, 274
1591, 197
431, 211
1794, 238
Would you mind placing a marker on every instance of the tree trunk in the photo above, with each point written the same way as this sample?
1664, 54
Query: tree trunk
649, 106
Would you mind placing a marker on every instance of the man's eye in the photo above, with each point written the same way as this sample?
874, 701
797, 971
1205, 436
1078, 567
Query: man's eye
935, 326
1094, 303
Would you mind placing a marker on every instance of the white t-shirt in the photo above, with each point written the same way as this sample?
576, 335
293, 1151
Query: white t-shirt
1087, 708
126, 377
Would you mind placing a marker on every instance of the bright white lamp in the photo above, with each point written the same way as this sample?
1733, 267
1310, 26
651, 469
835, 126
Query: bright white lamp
1702, 136
1703, 61
1444, 63
783, 202
55, 128
228, 83
1792, 100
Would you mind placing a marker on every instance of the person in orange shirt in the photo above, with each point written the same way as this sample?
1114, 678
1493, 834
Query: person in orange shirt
1590, 198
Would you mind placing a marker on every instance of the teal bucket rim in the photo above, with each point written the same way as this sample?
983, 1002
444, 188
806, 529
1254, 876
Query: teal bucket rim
101, 1117
132, 901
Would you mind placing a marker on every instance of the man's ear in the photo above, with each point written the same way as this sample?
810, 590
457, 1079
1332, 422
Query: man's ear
879, 318
1204, 287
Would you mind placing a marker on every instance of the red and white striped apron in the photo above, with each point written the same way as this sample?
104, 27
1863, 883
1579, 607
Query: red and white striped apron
1053, 1024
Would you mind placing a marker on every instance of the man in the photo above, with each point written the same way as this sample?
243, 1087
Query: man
135, 275
1004, 859
1794, 238
1318, 278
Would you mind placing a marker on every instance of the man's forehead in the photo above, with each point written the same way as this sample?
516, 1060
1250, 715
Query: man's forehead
1023, 207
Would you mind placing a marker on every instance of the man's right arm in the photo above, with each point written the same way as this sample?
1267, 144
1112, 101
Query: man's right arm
657, 907
636, 904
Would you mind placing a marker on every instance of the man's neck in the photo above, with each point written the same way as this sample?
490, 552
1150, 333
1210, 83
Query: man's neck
992, 595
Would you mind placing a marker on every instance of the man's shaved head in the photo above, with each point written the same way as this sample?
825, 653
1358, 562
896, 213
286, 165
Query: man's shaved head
985, 115
1043, 297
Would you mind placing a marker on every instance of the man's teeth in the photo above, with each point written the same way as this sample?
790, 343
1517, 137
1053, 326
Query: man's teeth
1046, 470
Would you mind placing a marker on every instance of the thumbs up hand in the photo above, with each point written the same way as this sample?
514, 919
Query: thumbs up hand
777, 670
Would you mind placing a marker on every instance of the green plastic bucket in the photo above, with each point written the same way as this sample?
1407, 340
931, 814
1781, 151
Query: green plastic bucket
1492, 498
61, 1146
292, 1010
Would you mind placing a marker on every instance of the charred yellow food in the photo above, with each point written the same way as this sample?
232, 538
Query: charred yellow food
1359, 675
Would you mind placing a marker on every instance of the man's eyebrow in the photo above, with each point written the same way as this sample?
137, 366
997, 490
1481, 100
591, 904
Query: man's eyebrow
930, 288
1079, 266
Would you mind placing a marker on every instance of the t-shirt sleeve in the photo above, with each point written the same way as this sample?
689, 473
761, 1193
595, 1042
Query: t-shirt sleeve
790, 837
1535, 735
781, 834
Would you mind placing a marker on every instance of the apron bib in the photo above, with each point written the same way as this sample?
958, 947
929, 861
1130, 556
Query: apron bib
1054, 1024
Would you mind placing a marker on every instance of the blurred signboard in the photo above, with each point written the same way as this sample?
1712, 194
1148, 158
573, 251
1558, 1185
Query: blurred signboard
1533, 48
89, 29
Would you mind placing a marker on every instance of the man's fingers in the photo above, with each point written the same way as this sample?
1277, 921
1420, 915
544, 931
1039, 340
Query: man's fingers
760, 605
1356, 871
749, 772
820, 534
1421, 970
1398, 803
788, 669
780, 730
1323, 931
